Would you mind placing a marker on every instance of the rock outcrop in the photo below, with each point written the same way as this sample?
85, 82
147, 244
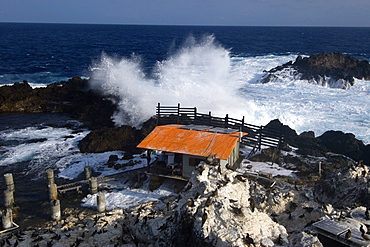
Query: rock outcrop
328, 69
71, 97
124, 138
345, 187
214, 209
331, 141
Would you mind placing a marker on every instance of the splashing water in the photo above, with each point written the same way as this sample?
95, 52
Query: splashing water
204, 74
199, 74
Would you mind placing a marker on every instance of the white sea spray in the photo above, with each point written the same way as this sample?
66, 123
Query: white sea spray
205, 75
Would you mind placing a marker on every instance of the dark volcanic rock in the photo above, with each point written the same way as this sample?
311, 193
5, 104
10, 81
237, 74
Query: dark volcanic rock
124, 138
341, 143
288, 133
331, 68
109, 139
72, 97
331, 141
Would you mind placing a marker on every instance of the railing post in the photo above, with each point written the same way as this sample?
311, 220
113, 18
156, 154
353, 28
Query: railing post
280, 137
260, 138
178, 113
242, 129
195, 114
209, 118
226, 121
158, 113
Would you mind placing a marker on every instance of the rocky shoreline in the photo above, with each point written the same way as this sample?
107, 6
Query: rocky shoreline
216, 207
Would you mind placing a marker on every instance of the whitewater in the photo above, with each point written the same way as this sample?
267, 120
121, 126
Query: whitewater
206, 75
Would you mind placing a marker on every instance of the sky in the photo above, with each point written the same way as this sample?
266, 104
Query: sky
190, 12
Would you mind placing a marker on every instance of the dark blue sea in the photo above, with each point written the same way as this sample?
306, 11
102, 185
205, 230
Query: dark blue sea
45, 53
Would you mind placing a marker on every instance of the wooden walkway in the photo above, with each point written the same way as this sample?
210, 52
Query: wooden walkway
258, 136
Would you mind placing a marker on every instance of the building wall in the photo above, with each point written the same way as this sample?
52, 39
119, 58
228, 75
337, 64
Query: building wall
188, 164
234, 156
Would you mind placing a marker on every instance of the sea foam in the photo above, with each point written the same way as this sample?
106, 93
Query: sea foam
205, 75
199, 74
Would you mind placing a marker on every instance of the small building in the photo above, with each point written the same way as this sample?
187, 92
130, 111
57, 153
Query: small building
333, 233
184, 146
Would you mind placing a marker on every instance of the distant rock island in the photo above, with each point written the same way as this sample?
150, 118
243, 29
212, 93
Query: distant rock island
331, 69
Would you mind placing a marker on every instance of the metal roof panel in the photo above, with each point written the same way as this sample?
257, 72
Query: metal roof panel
174, 138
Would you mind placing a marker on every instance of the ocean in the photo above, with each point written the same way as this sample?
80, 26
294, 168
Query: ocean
213, 68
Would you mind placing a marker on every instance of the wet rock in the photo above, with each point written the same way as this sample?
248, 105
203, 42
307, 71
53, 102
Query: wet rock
341, 143
72, 97
328, 68
289, 134
124, 138
110, 139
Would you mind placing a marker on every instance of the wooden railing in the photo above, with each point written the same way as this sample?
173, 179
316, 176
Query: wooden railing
258, 136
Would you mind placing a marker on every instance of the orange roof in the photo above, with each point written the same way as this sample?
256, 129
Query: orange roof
172, 138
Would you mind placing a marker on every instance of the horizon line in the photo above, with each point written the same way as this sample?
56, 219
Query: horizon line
184, 25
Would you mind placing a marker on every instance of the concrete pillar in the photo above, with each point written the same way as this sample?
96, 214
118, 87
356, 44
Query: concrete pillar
9, 181
93, 185
55, 210
100, 202
50, 176
87, 172
53, 192
7, 218
8, 199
